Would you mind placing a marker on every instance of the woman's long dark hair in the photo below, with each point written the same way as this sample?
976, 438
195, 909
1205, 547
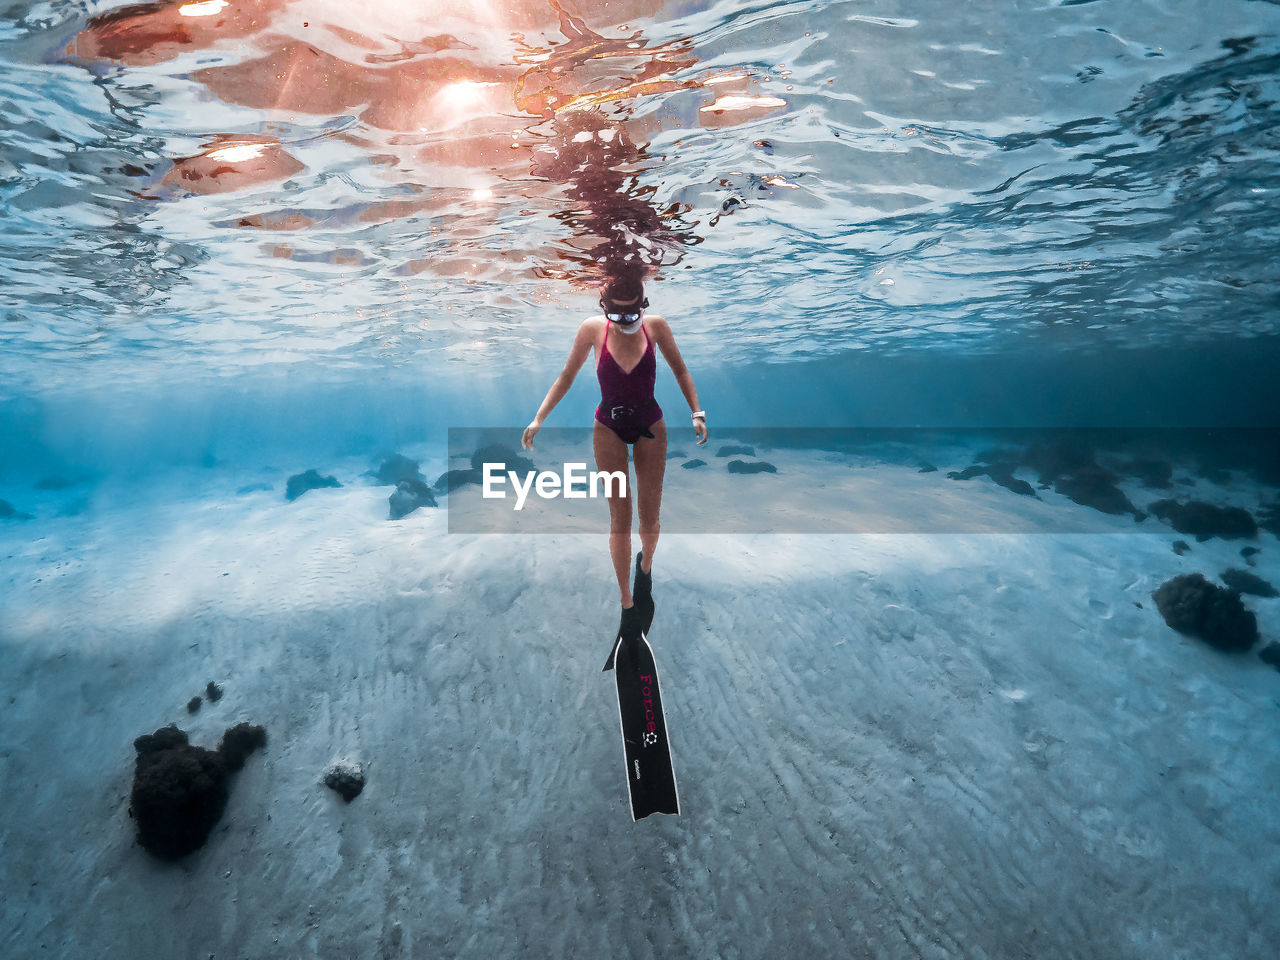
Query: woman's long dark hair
623, 283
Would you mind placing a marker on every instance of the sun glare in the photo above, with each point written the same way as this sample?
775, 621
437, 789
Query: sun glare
236, 152
202, 8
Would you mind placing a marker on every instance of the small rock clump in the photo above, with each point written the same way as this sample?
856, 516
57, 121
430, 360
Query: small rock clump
1095, 486
1000, 472
396, 468
1070, 465
346, 778
9, 512
1195, 607
1243, 581
300, 483
409, 495
179, 790
751, 466
1204, 520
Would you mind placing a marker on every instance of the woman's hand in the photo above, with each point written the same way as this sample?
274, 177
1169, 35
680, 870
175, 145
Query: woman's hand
700, 425
526, 438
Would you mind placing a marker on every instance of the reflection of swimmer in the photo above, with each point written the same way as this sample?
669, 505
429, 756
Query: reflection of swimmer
626, 366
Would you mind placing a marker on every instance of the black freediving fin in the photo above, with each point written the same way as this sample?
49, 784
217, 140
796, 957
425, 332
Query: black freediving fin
651, 779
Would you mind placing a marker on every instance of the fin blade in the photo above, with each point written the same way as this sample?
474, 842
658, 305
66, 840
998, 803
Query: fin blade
651, 782
613, 655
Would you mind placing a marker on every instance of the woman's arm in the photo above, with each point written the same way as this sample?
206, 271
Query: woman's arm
582, 344
666, 341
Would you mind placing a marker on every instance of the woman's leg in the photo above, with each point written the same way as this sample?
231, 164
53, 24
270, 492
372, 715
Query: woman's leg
611, 454
651, 465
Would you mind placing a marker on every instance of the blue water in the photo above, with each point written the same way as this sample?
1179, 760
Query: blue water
1066, 178
242, 240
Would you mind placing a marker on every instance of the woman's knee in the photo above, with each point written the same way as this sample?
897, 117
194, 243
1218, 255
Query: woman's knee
649, 507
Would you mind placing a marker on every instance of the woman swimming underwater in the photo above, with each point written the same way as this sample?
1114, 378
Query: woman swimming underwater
626, 365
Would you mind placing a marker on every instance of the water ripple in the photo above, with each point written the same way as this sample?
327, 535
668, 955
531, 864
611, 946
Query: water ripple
365, 188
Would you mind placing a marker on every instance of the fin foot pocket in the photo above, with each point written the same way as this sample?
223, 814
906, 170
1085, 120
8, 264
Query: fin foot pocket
642, 593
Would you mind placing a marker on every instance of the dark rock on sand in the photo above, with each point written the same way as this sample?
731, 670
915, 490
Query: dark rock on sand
1248, 554
1069, 464
1270, 654
1094, 486
735, 450
194, 704
409, 495
300, 483
346, 778
213, 692
744, 466
1000, 473
1010, 482
927, 468
1193, 606
396, 468
8, 512
690, 465
450, 480
1204, 520
179, 791
1245, 582
1179, 547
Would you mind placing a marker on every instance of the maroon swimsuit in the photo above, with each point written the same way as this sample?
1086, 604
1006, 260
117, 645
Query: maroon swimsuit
627, 406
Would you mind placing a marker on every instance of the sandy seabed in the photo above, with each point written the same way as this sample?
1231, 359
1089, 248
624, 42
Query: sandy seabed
887, 745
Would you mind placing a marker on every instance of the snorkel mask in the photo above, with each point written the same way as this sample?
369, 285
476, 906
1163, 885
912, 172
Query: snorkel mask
628, 322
